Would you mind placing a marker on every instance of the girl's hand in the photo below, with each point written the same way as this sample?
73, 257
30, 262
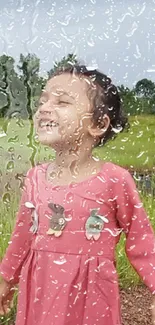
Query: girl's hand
153, 310
6, 297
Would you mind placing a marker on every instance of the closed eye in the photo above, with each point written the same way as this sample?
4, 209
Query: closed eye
63, 102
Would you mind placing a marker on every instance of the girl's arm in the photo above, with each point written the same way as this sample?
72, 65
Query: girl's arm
140, 239
20, 241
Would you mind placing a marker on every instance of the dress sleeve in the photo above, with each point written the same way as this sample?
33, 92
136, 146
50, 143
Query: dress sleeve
20, 242
140, 239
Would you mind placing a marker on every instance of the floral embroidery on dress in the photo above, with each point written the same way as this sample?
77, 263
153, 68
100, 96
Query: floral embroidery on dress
94, 225
57, 220
35, 218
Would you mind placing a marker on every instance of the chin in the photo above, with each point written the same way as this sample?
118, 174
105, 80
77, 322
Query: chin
52, 142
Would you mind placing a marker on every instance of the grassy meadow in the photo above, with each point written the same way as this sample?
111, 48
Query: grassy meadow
19, 151
131, 148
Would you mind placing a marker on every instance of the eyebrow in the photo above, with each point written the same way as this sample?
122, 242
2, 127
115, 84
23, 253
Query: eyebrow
63, 92
59, 93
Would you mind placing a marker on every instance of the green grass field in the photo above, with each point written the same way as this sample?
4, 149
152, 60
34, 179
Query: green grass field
131, 148
135, 148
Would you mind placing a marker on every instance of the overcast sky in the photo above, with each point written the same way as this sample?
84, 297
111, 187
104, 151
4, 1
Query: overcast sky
117, 36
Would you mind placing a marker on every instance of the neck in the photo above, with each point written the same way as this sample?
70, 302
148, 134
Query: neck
74, 158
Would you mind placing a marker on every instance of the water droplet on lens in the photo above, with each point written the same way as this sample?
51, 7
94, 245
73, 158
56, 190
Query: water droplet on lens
11, 149
6, 198
52, 175
8, 187
10, 166
14, 139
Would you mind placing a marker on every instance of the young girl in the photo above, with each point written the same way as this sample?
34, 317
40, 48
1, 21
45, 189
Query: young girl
73, 210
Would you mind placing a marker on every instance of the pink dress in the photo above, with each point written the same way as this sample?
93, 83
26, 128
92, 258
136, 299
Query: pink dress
72, 279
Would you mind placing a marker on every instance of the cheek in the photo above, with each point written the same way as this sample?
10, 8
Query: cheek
69, 118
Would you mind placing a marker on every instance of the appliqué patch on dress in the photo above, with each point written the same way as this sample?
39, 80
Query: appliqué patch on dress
35, 218
57, 220
95, 224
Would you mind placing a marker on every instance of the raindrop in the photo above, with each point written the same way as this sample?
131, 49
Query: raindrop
6, 198
102, 179
138, 54
69, 217
60, 262
21, 9
100, 37
57, 44
106, 35
134, 28
51, 13
114, 233
66, 22
29, 205
11, 149
111, 108
52, 175
2, 134
90, 27
91, 14
14, 139
142, 9
11, 26
118, 130
125, 15
69, 197
146, 161
141, 154
140, 134
20, 123
8, 187
125, 140
100, 253
91, 42
73, 169
138, 205
131, 248
10, 166
114, 180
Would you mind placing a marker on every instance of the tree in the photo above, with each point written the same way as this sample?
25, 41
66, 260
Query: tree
70, 59
145, 88
29, 66
6, 71
123, 90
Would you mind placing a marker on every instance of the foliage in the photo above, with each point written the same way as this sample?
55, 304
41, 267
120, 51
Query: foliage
145, 88
70, 59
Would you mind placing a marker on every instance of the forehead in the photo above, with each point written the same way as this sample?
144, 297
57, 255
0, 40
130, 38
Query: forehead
70, 83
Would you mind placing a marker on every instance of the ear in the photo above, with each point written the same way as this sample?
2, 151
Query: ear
98, 130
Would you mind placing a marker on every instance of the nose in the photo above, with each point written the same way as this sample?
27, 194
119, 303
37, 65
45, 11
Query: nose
45, 108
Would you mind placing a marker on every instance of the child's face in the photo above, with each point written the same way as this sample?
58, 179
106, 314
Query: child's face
64, 113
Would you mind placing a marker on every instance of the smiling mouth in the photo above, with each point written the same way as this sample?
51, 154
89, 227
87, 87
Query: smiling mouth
47, 124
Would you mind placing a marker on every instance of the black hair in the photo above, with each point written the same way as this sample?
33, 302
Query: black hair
105, 99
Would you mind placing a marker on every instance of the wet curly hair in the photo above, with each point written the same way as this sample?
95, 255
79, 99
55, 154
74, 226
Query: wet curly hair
104, 97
